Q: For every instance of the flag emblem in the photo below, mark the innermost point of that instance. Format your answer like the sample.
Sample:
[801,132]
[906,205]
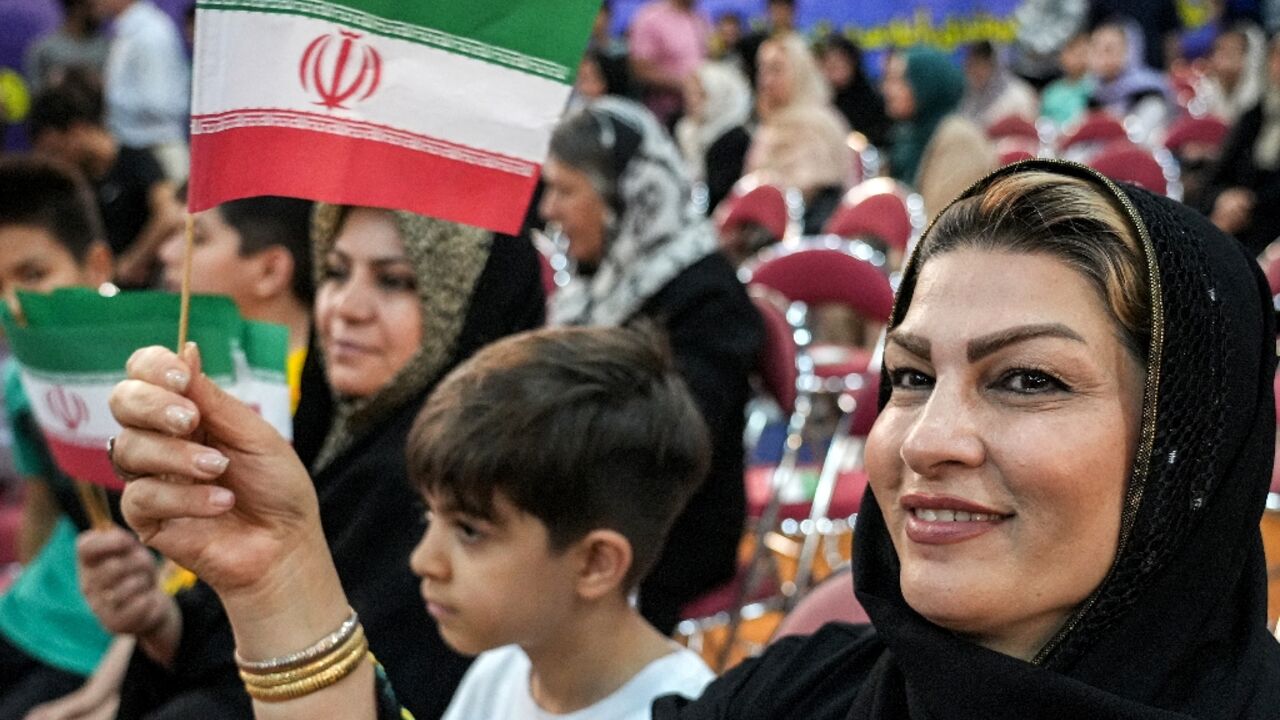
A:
[343,81]
[68,407]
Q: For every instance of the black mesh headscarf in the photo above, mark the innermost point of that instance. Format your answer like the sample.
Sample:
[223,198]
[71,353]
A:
[1177,629]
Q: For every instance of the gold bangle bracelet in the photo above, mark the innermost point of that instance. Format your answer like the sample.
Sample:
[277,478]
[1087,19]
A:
[315,667]
[309,685]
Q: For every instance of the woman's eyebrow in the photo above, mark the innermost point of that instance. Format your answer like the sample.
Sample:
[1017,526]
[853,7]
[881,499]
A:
[914,344]
[981,347]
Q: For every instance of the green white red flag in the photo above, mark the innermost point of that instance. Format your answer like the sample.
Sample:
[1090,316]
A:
[440,108]
[72,350]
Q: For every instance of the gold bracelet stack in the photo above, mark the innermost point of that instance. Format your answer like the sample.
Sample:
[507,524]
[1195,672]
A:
[291,676]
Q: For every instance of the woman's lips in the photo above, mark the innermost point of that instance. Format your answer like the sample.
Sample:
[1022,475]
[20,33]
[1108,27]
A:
[342,349]
[945,519]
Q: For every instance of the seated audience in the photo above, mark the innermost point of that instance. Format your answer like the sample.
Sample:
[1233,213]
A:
[1066,99]
[50,237]
[804,148]
[137,203]
[1243,197]
[615,187]
[992,93]
[712,134]
[921,87]
[1235,77]
[1125,87]
[1038,509]
[855,96]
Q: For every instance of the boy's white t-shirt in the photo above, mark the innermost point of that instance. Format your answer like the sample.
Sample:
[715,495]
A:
[496,687]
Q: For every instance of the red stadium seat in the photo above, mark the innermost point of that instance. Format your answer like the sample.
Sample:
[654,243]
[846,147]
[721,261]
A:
[1206,132]
[832,600]
[1125,162]
[764,205]
[1014,126]
[1098,127]
[820,276]
[883,216]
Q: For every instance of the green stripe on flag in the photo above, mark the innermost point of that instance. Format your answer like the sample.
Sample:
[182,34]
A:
[540,37]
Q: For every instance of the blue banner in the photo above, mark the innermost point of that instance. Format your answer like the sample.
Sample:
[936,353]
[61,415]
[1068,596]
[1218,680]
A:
[874,24]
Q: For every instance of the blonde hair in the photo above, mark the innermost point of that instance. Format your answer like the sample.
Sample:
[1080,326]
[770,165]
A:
[1068,218]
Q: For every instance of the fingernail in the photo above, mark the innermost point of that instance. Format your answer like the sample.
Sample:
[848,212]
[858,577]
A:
[179,418]
[212,462]
[177,379]
[221,497]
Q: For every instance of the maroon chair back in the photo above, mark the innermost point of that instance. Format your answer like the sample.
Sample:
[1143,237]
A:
[777,362]
[1125,162]
[1013,126]
[884,216]
[831,600]
[1207,132]
[820,276]
[1097,127]
[764,205]
[1012,156]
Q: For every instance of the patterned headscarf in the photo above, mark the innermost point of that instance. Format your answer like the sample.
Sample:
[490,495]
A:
[657,232]
[447,259]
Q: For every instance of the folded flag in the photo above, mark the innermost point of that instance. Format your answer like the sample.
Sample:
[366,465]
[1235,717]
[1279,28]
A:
[72,346]
[441,108]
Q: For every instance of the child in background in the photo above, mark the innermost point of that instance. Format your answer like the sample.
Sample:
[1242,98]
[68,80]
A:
[1065,100]
[553,464]
[50,237]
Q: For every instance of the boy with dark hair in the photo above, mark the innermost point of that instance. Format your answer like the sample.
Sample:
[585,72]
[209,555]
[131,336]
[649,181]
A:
[50,237]
[553,464]
[135,201]
[257,251]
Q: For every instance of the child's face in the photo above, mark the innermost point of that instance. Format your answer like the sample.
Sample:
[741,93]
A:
[31,259]
[217,267]
[1074,58]
[490,583]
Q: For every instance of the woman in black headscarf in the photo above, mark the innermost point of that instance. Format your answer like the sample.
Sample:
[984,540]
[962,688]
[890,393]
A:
[1122,579]
[378,274]
[855,96]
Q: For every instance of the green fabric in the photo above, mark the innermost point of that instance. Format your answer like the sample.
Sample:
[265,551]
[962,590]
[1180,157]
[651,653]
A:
[937,85]
[539,37]
[44,613]
[1064,101]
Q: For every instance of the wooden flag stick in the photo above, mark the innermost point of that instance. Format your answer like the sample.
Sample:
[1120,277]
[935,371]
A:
[184,315]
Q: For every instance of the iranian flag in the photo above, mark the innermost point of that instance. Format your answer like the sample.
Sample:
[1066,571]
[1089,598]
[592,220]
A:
[441,108]
[72,345]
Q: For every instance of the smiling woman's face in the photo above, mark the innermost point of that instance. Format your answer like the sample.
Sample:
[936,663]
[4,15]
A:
[1002,457]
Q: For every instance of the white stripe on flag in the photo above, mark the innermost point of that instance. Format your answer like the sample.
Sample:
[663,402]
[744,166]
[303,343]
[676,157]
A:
[75,412]
[423,91]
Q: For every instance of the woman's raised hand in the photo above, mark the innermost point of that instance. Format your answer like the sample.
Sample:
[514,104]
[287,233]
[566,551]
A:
[215,487]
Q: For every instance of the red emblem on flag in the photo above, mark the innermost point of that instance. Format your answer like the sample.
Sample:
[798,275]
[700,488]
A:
[344,80]
[68,407]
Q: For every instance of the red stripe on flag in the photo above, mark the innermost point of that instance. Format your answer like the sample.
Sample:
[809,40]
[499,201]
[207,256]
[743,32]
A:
[249,161]
[78,462]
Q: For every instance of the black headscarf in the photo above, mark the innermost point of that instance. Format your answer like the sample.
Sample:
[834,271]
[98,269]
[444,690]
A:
[1178,627]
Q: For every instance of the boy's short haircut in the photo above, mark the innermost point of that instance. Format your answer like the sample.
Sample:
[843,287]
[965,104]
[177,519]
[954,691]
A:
[64,106]
[265,221]
[583,428]
[43,193]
